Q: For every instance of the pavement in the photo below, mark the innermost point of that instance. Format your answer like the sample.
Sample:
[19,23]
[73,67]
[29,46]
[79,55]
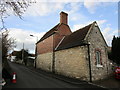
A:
[109,82]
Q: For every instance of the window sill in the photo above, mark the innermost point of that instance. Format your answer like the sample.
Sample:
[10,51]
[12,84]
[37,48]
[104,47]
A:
[98,65]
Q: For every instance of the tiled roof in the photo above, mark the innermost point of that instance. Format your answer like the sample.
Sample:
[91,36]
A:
[14,53]
[49,33]
[74,39]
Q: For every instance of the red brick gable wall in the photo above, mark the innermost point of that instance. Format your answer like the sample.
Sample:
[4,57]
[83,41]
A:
[61,32]
[45,45]
[50,43]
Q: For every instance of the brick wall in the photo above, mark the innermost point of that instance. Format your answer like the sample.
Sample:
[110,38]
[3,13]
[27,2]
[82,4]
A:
[61,32]
[45,46]
[64,18]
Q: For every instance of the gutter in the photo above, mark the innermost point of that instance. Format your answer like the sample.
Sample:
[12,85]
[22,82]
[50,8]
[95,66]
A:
[53,60]
[53,63]
[35,56]
[90,73]
[88,46]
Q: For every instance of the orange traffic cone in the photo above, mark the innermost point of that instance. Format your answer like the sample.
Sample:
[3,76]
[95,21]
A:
[14,78]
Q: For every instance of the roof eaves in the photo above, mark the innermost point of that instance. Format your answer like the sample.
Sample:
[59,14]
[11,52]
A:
[99,30]
[89,30]
[102,36]
[59,43]
[54,29]
[45,38]
[82,43]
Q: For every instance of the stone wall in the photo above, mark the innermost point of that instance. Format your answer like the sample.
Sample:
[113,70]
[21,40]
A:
[44,61]
[73,62]
[98,43]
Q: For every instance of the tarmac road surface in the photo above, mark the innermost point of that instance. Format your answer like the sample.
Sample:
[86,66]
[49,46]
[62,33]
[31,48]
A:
[27,78]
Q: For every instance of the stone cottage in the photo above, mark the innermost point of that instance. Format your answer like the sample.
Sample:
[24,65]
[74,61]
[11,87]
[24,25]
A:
[81,54]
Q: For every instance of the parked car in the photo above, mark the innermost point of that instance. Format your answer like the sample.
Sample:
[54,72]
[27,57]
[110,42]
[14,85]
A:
[117,72]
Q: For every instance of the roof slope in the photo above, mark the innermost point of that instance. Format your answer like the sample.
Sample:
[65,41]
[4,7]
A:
[49,33]
[14,53]
[74,39]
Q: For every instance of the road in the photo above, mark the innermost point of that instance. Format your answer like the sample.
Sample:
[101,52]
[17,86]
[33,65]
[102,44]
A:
[27,78]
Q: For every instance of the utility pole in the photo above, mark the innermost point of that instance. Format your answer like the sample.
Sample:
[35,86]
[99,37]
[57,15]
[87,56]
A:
[23,54]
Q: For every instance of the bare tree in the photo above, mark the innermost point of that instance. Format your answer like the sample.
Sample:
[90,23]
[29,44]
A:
[7,44]
[17,7]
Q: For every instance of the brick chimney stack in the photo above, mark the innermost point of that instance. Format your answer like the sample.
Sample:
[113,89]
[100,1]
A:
[63,18]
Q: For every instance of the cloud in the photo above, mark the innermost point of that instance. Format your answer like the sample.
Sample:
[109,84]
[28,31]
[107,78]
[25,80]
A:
[106,30]
[108,34]
[49,6]
[46,8]
[76,0]
[91,6]
[78,26]
[23,36]
[73,7]
[43,8]
[77,17]
[66,1]
[101,22]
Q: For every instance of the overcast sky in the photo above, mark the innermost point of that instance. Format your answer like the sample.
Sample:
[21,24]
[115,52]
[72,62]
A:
[42,16]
